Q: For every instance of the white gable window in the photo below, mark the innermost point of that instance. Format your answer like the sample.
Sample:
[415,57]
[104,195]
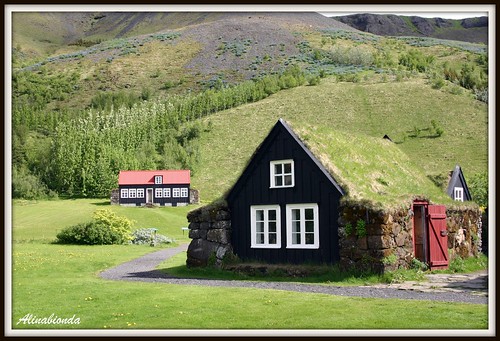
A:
[158,193]
[176,192]
[132,193]
[302,226]
[166,192]
[140,192]
[158,179]
[265,225]
[184,193]
[282,174]
[458,193]
[124,193]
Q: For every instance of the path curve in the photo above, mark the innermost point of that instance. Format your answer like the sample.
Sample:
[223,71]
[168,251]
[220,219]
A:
[144,269]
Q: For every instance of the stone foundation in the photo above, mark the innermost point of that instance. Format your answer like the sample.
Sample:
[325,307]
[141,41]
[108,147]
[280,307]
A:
[210,231]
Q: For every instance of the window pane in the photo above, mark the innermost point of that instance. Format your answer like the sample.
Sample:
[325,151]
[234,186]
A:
[272,238]
[295,226]
[295,238]
[259,227]
[260,238]
[309,238]
[259,215]
[309,226]
[278,181]
[296,214]
[309,213]
[272,226]
[278,169]
[288,180]
[288,168]
[272,215]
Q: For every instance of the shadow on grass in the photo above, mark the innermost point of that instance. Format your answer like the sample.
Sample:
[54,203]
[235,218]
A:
[272,273]
[102,203]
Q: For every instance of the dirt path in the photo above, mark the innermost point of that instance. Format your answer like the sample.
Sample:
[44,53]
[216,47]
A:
[468,288]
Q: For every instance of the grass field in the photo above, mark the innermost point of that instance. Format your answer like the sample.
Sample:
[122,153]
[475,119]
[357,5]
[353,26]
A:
[63,280]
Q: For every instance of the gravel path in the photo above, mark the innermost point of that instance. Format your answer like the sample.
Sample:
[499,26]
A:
[143,269]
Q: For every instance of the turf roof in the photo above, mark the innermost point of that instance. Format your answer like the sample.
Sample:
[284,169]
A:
[371,170]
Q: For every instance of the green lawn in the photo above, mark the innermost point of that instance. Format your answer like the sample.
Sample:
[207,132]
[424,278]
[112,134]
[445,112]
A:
[63,280]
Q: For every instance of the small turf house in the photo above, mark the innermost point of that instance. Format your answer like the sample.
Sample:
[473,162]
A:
[154,187]
[457,187]
[310,194]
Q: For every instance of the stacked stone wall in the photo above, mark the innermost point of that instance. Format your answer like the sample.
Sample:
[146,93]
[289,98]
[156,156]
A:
[210,231]
[464,227]
[387,243]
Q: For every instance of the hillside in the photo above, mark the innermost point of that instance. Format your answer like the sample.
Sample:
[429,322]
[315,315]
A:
[473,30]
[98,93]
[374,108]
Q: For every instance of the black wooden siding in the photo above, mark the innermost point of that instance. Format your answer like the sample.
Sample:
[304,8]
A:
[311,186]
[161,201]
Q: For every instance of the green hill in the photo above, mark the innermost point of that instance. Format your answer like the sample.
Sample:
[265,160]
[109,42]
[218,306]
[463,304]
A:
[373,108]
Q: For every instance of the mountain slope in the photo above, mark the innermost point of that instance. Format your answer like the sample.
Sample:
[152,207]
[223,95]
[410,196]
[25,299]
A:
[474,30]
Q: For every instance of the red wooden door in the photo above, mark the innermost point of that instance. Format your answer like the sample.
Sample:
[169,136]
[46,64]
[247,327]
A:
[438,237]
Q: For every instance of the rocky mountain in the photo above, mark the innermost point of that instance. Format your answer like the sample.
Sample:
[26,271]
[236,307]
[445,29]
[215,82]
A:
[474,30]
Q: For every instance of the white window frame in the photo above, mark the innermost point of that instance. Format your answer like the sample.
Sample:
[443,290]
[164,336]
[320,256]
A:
[140,192]
[302,208]
[166,192]
[132,193]
[176,192]
[124,193]
[184,192]
[273,176]
[458,193]
[158,179]
[253,227]
[158,193]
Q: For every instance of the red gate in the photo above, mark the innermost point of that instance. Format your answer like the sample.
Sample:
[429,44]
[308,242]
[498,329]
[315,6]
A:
[438,237]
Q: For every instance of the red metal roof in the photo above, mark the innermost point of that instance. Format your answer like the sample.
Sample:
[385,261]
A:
[170,177]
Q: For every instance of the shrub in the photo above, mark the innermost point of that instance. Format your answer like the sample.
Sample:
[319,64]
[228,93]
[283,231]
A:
[148,236]
[313,80]
[106,228]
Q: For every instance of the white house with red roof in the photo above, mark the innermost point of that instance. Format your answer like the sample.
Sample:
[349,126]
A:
[154,187]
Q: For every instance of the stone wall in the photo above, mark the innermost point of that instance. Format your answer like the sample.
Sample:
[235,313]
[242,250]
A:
[210,231]
[464,231]
[387,243]
[194,196]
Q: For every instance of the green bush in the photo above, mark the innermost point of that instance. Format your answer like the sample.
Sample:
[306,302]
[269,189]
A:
[106,228]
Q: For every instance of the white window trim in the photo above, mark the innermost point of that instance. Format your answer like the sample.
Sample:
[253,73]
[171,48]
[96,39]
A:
[289,244]
[158,193]
[140,192]
[132,193]
[166,192]
[184,192]
[253,227]
[176,192]
[124,193]
[158,179]
[458,193]
[273,176]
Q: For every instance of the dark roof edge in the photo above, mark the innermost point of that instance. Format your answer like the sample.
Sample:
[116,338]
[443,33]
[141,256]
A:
[311,155]
[458,175]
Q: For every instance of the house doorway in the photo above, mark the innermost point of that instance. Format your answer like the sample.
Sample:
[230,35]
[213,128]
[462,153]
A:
[430,235]
[149,196]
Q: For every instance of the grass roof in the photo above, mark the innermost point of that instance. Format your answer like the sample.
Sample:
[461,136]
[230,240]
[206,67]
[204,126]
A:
[370,170]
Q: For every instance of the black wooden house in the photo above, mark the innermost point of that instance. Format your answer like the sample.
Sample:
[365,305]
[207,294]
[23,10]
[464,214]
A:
[284,206]
[154,187]
[457,187]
